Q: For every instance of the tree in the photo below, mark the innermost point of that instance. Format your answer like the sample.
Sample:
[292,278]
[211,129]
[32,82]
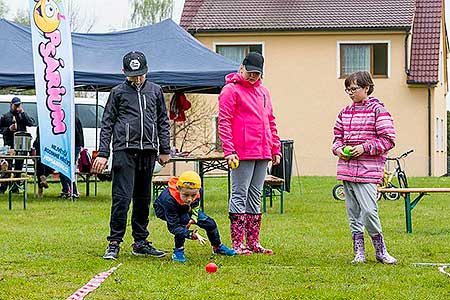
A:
[22,17]
[3,9]
[196,134]
[147,12]
[78,21]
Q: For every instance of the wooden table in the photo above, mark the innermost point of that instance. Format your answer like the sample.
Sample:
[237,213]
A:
[406,193]
[206,163]
[34,158]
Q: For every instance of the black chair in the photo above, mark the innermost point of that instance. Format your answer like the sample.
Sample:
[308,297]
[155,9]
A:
[279,179]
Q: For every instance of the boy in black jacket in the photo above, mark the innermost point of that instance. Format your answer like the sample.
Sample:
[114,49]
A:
[178,205]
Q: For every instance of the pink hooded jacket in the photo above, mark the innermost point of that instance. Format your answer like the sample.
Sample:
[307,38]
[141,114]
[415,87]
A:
[370,124]
[246,121]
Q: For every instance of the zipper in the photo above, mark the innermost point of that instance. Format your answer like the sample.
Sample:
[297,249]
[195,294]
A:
[127,134]
[145,102]
[142,117]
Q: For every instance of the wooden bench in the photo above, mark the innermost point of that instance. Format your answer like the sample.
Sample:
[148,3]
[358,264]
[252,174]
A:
[406,193]
[15,181]
[159,183]
[271,184]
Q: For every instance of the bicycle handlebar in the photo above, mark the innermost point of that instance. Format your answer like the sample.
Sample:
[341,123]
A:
[401,156]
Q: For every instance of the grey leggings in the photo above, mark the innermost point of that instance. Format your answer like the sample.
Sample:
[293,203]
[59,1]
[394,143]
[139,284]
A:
[362,207]
[247,183]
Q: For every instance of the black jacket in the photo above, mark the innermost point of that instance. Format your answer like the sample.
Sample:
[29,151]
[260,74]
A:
[22,121]
[79,137]
[137,119]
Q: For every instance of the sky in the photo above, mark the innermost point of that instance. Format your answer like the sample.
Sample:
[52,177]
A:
[109,15]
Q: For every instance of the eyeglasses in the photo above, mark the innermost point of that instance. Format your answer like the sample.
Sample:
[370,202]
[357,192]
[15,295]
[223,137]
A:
[352,90]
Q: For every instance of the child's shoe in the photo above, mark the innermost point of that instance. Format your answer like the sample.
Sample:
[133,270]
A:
[224,250]
[178,255]
[382,255]
[112,251]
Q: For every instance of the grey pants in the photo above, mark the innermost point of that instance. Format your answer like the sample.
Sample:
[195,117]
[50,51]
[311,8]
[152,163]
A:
[246,184]
[362,207]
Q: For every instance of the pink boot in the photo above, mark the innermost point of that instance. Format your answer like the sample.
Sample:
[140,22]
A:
[237,231]
[358,247]
[380,250]
[252,230]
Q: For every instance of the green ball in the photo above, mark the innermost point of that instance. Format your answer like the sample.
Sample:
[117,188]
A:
[347,150]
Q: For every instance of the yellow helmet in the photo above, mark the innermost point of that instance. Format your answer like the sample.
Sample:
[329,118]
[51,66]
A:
[189,180]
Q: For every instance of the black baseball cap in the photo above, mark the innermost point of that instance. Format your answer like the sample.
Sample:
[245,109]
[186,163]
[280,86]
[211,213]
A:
[16,101]
[134,64]
[253,62]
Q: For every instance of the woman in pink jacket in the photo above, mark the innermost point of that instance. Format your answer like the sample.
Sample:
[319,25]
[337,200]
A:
[363,134]
[249,136]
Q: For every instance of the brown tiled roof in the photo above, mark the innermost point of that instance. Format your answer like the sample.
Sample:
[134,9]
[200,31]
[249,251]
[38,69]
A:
[424,65]
[282,15]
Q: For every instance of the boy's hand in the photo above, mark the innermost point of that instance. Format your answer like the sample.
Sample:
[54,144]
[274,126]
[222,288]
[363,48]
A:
[197,236]
[191,221]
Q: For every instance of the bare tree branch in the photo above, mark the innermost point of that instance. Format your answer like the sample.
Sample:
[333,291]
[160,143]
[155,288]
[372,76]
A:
[146,12]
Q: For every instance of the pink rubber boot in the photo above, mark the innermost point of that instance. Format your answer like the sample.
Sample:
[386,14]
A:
[380,250]
[252,230]
[237,231]
[358,247]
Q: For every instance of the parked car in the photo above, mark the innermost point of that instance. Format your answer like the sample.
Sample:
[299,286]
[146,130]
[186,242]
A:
[84,107]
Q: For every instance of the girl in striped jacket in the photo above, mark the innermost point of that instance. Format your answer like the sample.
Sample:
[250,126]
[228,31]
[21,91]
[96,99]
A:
[363,134]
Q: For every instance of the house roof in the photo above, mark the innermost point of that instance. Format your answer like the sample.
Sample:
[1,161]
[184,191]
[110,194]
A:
[424,63]
[295,15]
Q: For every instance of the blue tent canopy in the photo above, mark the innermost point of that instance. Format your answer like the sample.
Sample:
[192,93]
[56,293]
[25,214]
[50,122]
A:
[177,61]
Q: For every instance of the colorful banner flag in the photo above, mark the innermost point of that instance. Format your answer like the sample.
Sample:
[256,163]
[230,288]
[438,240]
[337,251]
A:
[93,284]
[54,81]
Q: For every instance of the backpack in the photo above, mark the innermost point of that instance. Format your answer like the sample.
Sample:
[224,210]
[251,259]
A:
[84,161]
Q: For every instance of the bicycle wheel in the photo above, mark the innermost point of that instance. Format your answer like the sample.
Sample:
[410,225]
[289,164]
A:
[392,196]
[338,192]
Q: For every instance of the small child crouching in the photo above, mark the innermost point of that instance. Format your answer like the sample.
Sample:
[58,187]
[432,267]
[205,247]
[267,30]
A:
[178,205]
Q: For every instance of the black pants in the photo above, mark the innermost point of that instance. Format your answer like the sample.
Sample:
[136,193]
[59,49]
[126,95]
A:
[132,172]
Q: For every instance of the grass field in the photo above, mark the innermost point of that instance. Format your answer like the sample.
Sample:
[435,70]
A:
[55,246]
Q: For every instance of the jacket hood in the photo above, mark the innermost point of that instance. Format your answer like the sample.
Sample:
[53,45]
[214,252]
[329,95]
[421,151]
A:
[237,78]
[173,190]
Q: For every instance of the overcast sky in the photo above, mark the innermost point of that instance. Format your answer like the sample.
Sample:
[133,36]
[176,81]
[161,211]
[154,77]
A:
[109,14]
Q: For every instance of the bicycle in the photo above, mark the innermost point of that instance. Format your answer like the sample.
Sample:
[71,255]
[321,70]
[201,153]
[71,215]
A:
[388,177]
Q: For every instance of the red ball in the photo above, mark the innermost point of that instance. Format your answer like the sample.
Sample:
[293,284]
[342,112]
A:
[211,268]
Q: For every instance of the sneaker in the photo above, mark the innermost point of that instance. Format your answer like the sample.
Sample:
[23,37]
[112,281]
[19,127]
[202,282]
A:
[76,196]
[178,255]
[224,250]
[145,248]
[112,251]
[64,195]
[43,182]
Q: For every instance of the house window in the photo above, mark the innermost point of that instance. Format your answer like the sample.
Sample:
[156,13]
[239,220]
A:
[364,57]
[238,52]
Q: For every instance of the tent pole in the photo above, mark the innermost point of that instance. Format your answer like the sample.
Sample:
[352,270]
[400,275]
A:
[174,167]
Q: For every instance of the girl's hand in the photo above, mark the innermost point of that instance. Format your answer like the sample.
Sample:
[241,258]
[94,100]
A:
[232,158]
[341,154]
[276,159]
[357,150]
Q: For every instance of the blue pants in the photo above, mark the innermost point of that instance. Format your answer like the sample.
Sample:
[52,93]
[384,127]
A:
[204,222]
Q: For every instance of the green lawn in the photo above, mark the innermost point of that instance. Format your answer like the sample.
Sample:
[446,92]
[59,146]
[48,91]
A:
[55,246]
